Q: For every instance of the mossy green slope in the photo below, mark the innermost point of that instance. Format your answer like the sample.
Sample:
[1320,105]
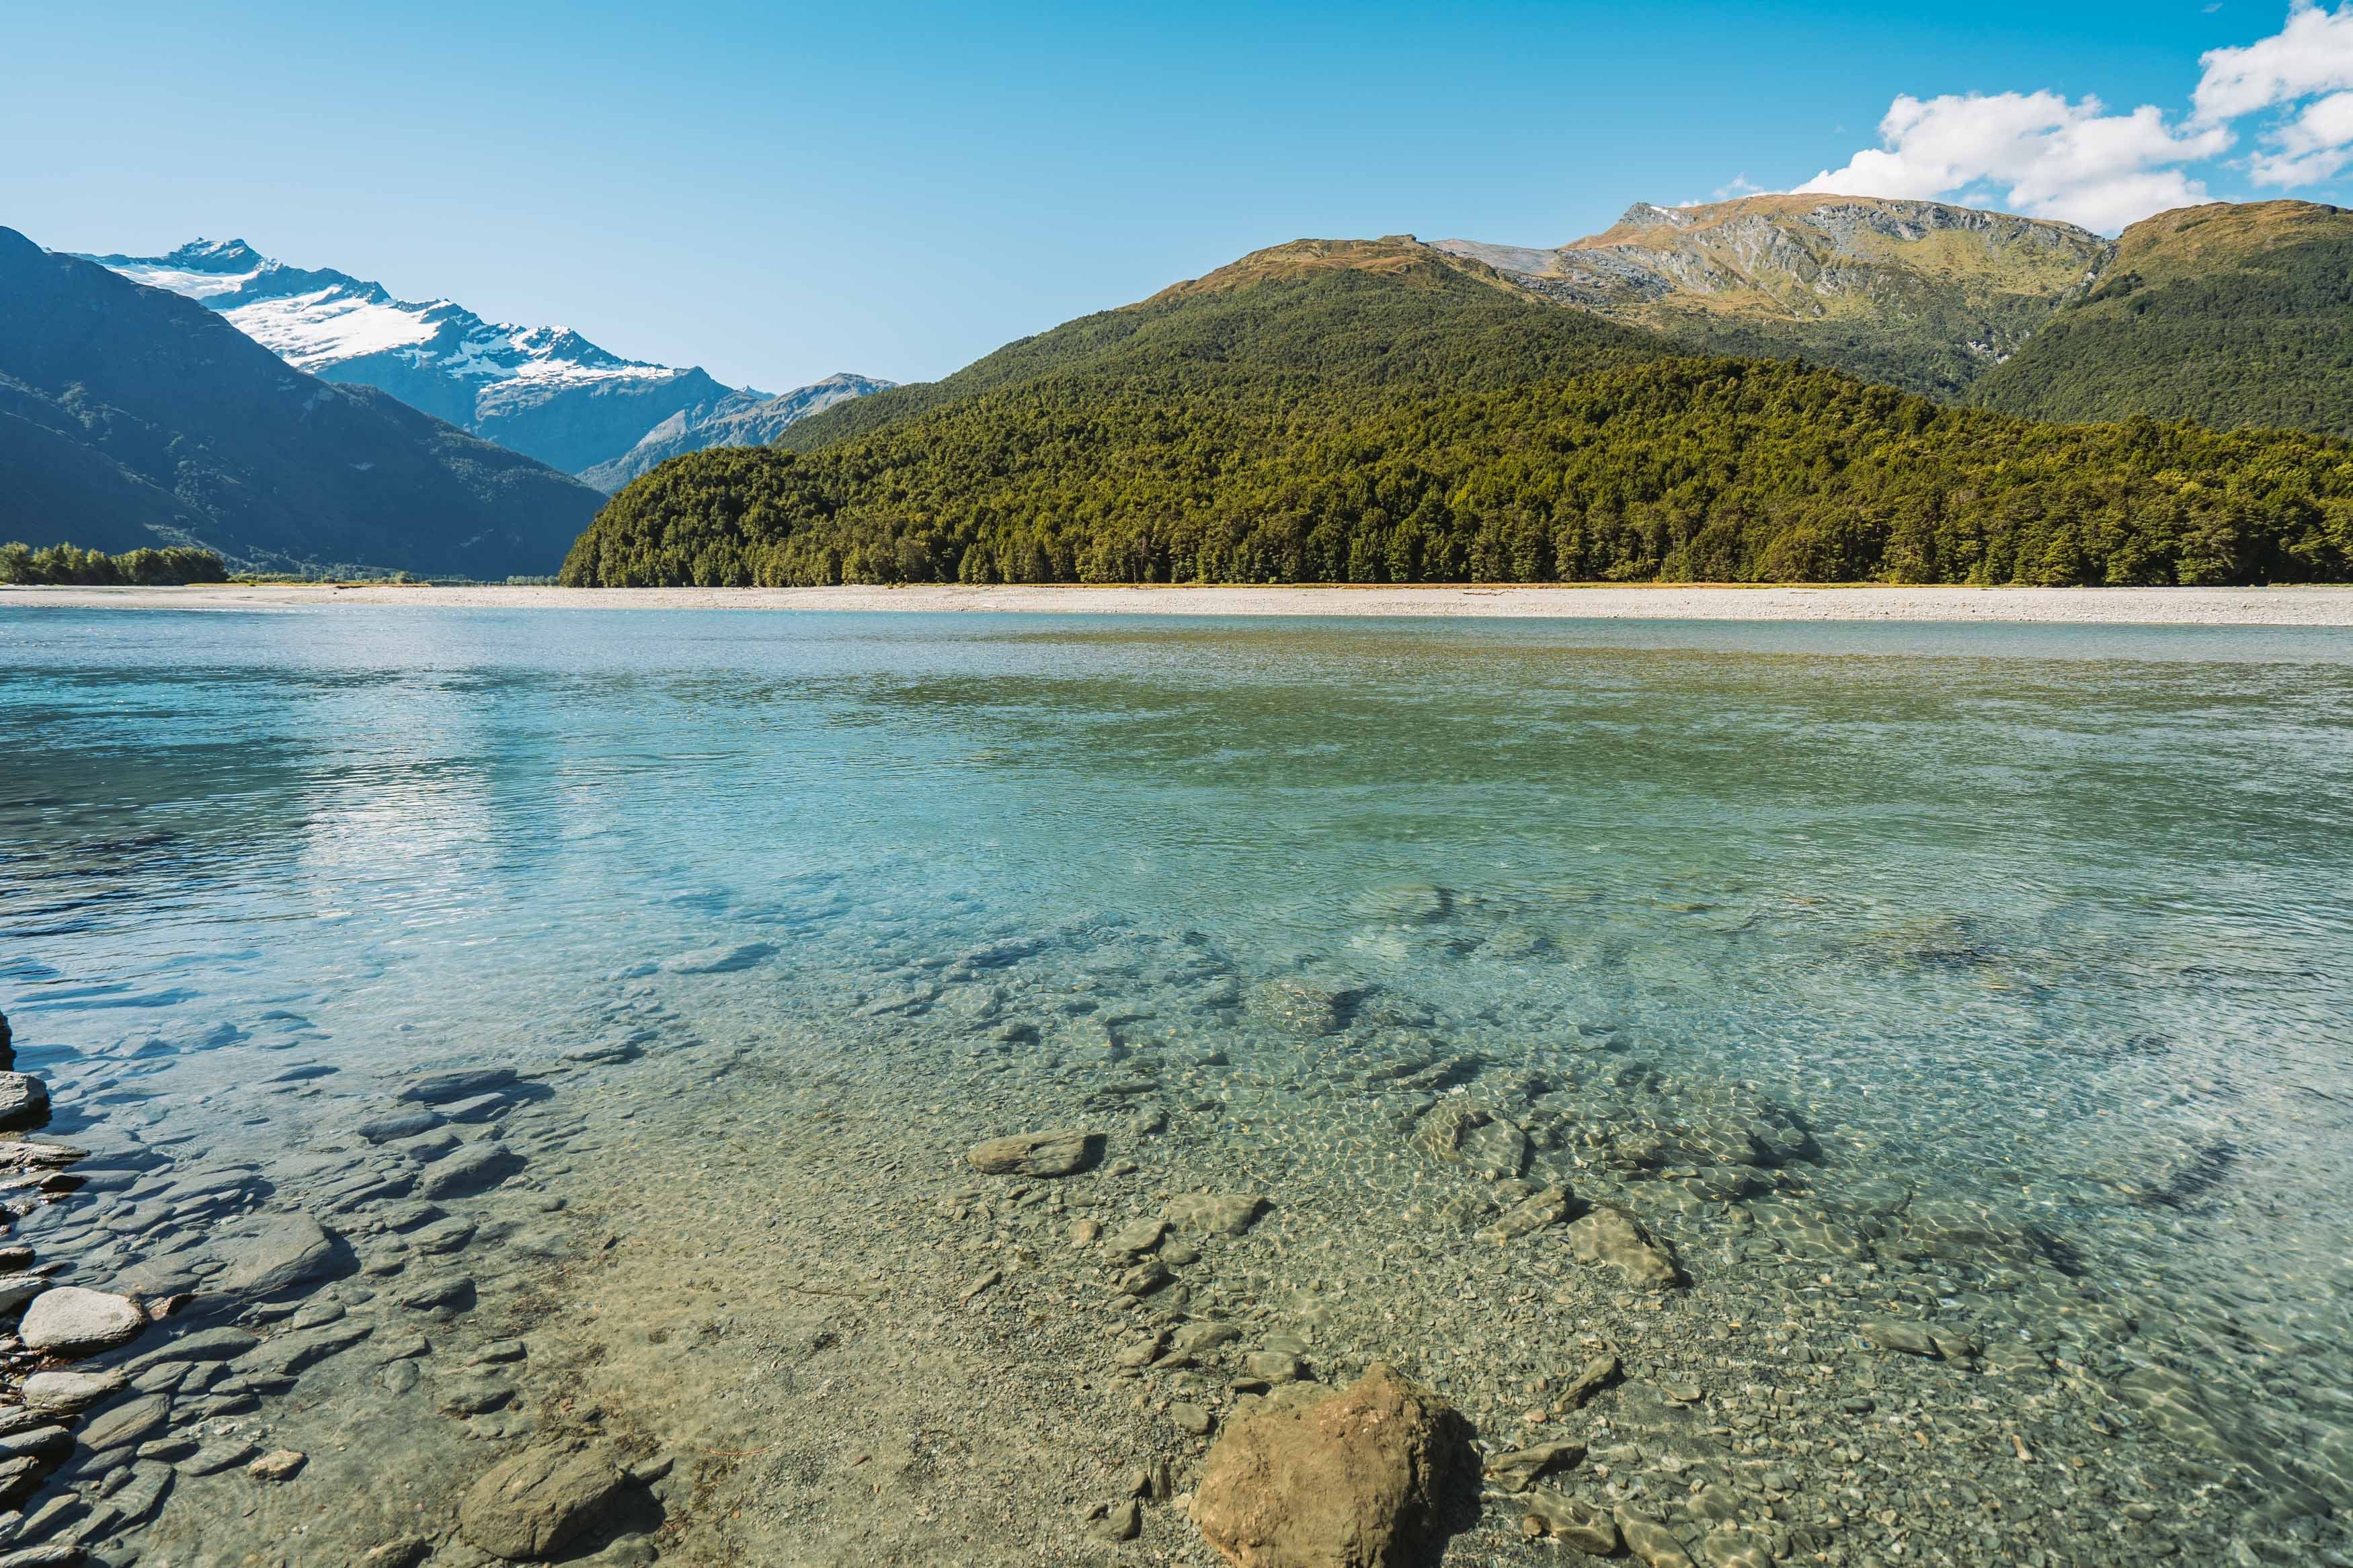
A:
[1368,314]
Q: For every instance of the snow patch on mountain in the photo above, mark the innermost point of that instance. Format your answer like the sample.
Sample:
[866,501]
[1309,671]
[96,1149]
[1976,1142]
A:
[546,391]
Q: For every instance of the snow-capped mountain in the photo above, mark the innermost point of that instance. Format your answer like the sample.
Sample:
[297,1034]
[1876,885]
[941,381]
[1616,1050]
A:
[739,419]
[546,391]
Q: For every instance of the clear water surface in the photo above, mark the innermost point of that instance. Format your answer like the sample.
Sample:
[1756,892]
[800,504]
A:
[2043,925]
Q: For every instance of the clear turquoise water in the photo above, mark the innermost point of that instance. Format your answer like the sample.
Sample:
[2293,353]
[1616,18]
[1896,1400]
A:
[2049,919]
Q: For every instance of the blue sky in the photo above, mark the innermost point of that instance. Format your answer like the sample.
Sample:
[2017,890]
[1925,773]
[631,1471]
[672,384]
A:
[780,192]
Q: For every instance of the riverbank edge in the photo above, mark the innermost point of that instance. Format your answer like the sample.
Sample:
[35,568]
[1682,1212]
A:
[2273,606]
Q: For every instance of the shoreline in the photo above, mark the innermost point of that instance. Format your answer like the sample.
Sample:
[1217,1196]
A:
[2269,607]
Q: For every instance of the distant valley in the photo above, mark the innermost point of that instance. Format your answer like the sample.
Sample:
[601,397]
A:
[545,392]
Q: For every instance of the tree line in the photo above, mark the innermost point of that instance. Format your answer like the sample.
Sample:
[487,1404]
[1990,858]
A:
[66,565]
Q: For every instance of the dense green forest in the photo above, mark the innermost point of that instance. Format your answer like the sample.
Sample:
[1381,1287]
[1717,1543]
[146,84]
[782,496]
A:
[1684,469]
[64,564]
[1335,412]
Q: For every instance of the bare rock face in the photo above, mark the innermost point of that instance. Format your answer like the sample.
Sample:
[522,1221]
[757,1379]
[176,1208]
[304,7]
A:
[1061,1154]
[528,1508]
[1368,1478]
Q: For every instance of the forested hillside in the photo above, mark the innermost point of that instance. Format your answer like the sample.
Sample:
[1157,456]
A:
[2227,315]
[1692,469]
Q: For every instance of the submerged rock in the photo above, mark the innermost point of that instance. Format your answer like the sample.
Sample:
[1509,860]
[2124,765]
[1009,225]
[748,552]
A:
[1650,1542]
[1456,1130]
[721,960]
[1575,1522]
[1306,1007]
[1519,1469]
[1612,1235]
[469,1170]
[72,1321]
[1548,1206]
[1368,1478]
[1895,1334]
[278,1465]
[289,1250]
[531,1507]
[1205,1214]
[1061,1153]
[1414,904]
[465,1083]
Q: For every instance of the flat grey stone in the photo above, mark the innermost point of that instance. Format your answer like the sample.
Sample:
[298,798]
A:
[69,1321]
[63,1393]
[126,1423]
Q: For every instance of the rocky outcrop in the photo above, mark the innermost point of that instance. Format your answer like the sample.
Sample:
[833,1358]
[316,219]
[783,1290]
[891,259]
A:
[1371,1477]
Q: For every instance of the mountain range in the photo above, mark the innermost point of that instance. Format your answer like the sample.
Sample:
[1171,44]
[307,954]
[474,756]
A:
[545,392]
[131,416]
[738,419]
[1979,393]
[2227,314]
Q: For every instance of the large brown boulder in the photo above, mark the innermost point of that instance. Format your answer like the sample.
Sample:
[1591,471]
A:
[533,1506]
[1372,1476]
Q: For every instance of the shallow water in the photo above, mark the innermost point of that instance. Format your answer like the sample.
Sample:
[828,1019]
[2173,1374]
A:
[1991,977]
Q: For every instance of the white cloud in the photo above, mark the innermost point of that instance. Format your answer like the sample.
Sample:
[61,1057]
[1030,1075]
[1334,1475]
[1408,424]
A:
[2312,54]
[2310,57]
[2052,158]
[2312,147]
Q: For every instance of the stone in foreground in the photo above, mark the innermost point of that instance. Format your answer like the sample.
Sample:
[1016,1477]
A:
[528,1508]
[1364,1479]
[1061,1154]
[70,1321]
[24,1099]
